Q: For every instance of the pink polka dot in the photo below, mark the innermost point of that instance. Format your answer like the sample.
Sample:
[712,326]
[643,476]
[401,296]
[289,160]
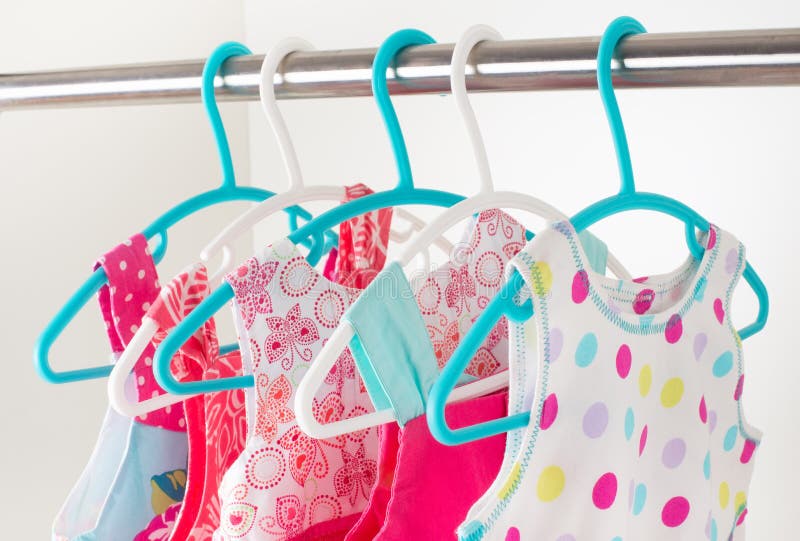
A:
[712,237]
[747,451]
[675,512]
[741,517]
[641,279]
[512,534]
[703,410]
[737,394]
[643,440]
[719,311]
[623,361]
[580,286]
[643,301]
[605,491]
[674,329]
[549,411]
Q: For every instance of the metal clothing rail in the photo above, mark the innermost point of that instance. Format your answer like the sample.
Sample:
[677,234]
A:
[732,58]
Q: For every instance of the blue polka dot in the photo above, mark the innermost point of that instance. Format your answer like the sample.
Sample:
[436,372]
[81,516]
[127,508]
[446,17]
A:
[713,530]
[639,497]
[723,364]
[629,422]
[618,538]
[730,438]
[707,466]
[587,349]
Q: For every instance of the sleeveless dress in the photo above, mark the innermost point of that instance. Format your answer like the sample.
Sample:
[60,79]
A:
[637,430]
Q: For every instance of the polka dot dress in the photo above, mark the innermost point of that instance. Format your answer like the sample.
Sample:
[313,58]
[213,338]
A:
[637,430]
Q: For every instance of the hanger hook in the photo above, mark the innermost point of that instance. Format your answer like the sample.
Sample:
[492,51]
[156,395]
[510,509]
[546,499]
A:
[266,92]
[385,56]
[210,70]
[458,86]
[619,28]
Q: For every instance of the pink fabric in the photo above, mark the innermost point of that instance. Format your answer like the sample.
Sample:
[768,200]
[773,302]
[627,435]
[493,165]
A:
[450,299]
[224,436]
[374,516]
[363,242]
[433,485]
[175,301]
[131,263]
[329,271]
[161,526]
[216,431]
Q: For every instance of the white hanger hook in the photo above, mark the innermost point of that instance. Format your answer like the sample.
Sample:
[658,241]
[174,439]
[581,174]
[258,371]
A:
[458,85]
[266,92]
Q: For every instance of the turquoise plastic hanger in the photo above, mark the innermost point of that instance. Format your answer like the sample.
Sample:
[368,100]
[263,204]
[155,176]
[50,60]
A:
[403,194]
[627,199]
[228,191]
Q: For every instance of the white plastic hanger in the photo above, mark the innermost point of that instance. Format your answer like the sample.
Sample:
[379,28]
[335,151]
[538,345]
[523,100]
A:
[298,191]
[487,198]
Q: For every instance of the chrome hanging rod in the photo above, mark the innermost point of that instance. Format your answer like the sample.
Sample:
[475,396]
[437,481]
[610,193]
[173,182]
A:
[697,59]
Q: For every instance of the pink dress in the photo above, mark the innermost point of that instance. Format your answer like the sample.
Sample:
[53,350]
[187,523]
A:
[215,422]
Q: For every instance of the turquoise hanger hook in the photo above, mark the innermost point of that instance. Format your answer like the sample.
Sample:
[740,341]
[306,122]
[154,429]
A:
[616,32]
[386,55]
[208,97]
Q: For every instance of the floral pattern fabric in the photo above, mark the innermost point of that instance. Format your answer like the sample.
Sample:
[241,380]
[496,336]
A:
[286,484]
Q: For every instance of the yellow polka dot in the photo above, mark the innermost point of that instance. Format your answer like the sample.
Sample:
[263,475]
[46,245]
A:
[740,501]
[513,477]
[738,338]
[551,483]
[672,392]
[724,495]
[645,380]
[531,334]
[542,278]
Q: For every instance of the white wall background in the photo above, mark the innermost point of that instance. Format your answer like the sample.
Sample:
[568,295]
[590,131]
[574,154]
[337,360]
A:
[77,182]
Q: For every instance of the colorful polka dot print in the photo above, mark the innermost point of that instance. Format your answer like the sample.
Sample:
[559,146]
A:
[638,416]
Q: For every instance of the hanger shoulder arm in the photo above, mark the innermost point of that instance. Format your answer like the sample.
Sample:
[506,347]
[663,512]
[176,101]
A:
[180,334]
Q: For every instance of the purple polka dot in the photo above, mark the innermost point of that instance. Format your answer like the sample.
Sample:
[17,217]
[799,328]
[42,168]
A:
[623,361]
[674,329]
[580,286]
[605,491]
[732,261]
[643,301]
[674,453]
[556,343]
[700,343]
[549,411]
[712,421]
[631,488]
[595,420]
